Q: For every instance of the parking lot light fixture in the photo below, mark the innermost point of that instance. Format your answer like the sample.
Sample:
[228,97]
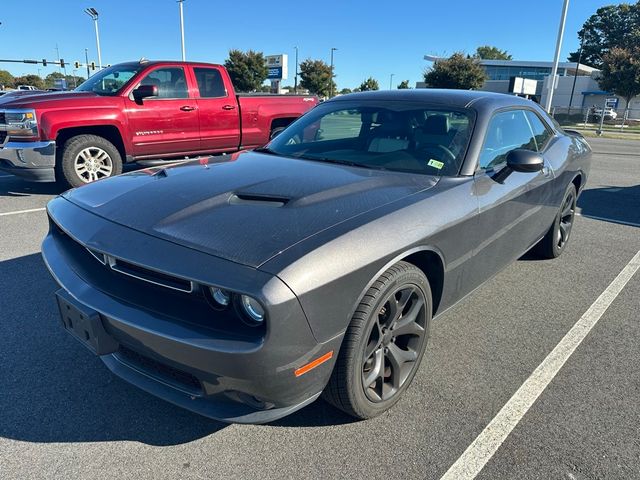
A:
[333,49]
[93,13]
[180,2]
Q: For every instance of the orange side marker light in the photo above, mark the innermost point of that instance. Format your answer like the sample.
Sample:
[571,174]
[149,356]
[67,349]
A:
[311,365]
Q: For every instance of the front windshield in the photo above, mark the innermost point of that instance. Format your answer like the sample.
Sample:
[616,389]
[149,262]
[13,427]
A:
[401,136]
[110,80]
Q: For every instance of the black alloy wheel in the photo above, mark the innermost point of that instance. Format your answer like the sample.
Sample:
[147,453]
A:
[556,239]
[394,343]
[384,343]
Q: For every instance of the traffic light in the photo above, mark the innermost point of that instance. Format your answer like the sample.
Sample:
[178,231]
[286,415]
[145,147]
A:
[76,64]
[93,65]
[44,62]
[61,63]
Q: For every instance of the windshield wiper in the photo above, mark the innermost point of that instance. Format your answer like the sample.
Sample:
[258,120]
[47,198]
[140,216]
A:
[348,163]
[265,150]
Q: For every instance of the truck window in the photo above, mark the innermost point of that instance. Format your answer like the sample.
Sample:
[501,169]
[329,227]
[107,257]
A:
[171,82]
[210,83]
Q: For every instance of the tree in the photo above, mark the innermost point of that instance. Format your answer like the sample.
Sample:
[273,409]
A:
[457,71]
[610,27]
[369,84]
[315,76]
[248,70]
[488,52]
[621,73]
[6,79]
[403,85]
[344,91]
[30,79]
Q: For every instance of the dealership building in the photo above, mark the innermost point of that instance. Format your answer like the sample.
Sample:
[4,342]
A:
[587,92]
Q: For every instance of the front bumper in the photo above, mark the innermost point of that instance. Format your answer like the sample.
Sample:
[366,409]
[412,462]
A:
[31,160]
[229,378]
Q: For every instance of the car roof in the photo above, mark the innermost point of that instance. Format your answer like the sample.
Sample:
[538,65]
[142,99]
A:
[450,97]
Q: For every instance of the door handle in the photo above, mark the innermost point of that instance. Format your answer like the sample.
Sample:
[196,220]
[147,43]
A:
[228,107]
[187,108]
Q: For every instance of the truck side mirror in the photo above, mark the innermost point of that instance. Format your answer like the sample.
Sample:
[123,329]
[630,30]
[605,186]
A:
[145,91]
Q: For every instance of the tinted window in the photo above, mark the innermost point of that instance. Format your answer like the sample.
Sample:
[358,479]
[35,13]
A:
[210,83]
[507,131]
[171,82]
[402,136]
[541,133]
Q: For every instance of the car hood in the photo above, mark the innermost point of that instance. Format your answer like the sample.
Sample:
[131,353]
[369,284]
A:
[245,207]
[37,99]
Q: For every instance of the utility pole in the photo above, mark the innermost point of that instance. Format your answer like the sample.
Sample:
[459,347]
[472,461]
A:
[556,59]
[295,82]
[180,2]
[86,60]
[331,79]
[391,82]
[93,13]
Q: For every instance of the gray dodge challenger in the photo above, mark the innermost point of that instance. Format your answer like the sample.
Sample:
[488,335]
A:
[244,286]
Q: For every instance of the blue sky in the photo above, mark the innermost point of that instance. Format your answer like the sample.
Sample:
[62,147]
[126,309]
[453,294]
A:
[373,38]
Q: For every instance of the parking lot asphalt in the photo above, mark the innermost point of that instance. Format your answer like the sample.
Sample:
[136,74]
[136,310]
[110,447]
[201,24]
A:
[63,415]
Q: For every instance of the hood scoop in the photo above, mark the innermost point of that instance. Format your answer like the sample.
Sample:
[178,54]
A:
[258,199]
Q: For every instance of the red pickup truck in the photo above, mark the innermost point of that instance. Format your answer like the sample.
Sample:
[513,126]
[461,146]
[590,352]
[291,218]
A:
[136,111]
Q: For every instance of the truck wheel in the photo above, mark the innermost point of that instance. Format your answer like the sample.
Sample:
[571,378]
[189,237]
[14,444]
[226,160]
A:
[275,132]
[383,345]
[87,158]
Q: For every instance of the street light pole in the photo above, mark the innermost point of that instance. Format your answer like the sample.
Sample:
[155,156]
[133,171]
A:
[391,82]
[86,60]
[331,79]
[575,76]
[556,59]
[295,82]
[180,2]
[93,13]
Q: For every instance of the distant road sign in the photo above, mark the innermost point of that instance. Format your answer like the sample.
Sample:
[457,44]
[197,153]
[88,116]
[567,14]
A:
[611,102]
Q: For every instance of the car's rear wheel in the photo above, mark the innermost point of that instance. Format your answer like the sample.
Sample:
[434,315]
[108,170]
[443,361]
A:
[556,239]
[384,343]
[87,158]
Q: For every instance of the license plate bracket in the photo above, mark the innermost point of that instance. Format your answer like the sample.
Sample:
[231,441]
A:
[84,324]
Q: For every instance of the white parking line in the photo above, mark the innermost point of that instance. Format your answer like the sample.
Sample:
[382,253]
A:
[476,456]
[612,220]
[22,211]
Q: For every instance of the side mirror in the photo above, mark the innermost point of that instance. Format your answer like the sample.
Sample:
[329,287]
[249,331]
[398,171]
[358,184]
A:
[521,160]
[145,91]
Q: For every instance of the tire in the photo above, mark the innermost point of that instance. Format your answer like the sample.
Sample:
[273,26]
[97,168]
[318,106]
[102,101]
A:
[275,132]
[555,240]
[373,347]
[86,158]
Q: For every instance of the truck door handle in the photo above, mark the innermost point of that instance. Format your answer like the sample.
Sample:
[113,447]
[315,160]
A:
[228,107]
[187,108]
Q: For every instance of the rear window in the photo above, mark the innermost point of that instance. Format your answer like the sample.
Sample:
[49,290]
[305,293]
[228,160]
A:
[210,83]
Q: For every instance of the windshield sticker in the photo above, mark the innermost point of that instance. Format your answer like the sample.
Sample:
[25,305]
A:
[435,164]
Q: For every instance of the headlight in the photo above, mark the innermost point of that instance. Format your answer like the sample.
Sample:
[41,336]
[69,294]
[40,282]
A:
[21,123]
[253,310]
[221,297]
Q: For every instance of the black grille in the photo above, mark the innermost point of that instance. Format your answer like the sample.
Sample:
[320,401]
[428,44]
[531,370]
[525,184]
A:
[159,370]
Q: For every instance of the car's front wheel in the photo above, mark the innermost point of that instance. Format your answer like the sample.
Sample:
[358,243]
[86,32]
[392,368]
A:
[384,343]
[87,158]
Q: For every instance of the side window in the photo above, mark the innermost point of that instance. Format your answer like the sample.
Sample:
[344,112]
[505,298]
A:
[210,83]
[171,82]
[540,132]
[507,131]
